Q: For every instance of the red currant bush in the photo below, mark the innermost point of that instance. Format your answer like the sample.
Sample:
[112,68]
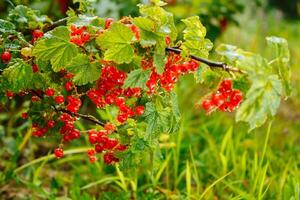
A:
[114,82]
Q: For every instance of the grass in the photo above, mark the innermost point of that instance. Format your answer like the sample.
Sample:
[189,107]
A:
[209,158]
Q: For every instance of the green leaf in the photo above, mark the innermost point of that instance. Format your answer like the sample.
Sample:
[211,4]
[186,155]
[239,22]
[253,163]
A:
[194,38]
[26,18]
[163,20]
[199,75]
[56,48]
[157,118]
[6,26]
[230,53]
[194,28]
[262,101]
[199,48]
[176,116]
[148,31]
[84,72]
[137,78]
[117,43]
[249,62]
[162,116]
[159,62]
[282,59]
[18,75]
[86,20]
[85,6]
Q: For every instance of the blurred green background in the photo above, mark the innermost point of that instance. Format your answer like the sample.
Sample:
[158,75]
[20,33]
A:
[211,157]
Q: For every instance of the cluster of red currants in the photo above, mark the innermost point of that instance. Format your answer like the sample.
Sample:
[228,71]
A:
[79,35]
[40,131]
[109,92]
[226,99]
[73,104]
[100,139]
[68,129]
[174,68]
[103,143]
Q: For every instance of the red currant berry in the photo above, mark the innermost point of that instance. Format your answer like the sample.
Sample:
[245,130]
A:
[136,31]
[122,118]
[69,85]
[109,127]
[93,137]
[121,147]
[85,37]
[236,97]
[68,75]
[6,56]
[24,115]
[92,159]
[109,158]
[35,68]
[120,101]
[77,40]
[225,86]
[38,132]
[37,34]
[218,99]
[44,130]
[207,105]
[168,40]
[108,22]
[59,153]
[35,98]
[99,148]
[139,110]
[59,99]
[91,152]
[50,123]
[10,94]
[110,143]
[73,28]
[49,92]
[109,99]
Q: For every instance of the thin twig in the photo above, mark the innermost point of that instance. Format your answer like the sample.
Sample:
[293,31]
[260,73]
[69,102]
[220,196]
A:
[82,116]
[210,63]
[85,117]
[55,24]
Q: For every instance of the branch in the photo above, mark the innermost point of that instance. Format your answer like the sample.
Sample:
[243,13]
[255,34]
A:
[85,117]
[210,63]
[55,24]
